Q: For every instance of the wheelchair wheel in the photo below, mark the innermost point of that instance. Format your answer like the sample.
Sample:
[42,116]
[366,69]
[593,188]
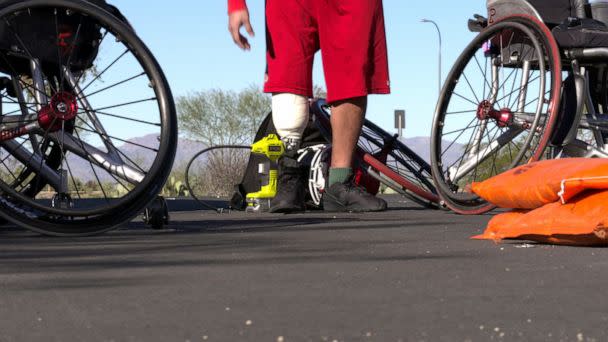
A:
[496,110]
[392,162]
[88,128]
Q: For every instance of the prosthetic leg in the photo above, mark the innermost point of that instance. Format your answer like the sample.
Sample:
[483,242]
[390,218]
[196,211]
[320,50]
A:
[290,117]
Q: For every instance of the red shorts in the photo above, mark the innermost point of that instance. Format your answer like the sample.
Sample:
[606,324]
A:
[350,35]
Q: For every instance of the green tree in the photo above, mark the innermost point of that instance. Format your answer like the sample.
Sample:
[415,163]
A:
[319,92]
[220,117]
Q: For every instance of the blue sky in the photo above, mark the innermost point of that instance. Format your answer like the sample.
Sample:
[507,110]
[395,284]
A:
[191,42]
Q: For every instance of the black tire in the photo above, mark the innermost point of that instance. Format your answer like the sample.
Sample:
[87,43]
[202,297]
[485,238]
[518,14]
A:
[128,176]
[494,141]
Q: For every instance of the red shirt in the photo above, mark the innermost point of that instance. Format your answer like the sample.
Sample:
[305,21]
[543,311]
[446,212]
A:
[236,5]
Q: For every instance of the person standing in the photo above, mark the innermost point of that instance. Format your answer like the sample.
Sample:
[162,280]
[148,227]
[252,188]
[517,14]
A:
[352,40]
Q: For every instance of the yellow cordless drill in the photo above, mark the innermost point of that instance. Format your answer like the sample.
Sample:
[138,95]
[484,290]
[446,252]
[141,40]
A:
[271,147]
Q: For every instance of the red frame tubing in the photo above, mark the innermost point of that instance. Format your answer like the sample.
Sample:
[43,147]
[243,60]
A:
[381,167]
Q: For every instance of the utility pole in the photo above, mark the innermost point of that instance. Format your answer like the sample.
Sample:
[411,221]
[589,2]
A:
[400,121]
[439,33]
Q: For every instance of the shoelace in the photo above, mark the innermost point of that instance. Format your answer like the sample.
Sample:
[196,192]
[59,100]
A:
[357,188]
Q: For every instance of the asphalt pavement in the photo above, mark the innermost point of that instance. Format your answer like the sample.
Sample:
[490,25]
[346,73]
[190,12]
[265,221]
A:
[409,274]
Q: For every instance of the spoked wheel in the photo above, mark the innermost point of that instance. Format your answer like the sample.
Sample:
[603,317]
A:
[88,126]
[393,163]
[497,109]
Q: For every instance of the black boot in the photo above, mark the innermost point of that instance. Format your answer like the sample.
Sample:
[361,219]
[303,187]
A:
[292,180]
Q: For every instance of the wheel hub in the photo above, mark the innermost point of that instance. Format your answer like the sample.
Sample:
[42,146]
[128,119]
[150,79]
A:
[63,107]
[503,117]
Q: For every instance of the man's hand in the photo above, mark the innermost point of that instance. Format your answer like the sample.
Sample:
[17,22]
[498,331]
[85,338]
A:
[236,20]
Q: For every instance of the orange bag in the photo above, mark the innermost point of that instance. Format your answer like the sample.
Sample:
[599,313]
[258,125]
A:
[574,186]
[582,222]
[536,184]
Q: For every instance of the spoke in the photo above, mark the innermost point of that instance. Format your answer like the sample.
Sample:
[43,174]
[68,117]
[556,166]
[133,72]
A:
[11,101]
[501,61]
[59,57]
[27,164]
[18,146]
[15,120]
[72,49]
[62,152]
[72,177]
[121,153]
[502,87]
[103,37]
[88,158]
[462,112]
[467,148]
[510,151]
[119,139]
[548,92]
[495,153]
[115,84]
[532,80]
[9,170]
[31,88]
[132,162]
[17,111]
[106,162]
[466,99]
[463,129]
[120,105]
[26,50]
[43,160]
[484,73]
[470,87]
[459,135]
[510,105]
[127,118]
[103,72]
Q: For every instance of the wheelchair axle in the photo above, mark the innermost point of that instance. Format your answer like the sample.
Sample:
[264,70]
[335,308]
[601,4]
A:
[503,117]
[63,107]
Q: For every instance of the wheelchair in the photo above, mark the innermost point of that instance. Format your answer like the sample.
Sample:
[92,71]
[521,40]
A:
[88,127]
[531,85]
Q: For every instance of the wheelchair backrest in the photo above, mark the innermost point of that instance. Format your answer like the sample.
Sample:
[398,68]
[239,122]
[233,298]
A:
[51,37]
[552,12]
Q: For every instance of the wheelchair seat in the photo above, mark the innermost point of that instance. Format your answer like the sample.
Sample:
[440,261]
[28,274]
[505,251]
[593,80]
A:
[554,12]
[581,33]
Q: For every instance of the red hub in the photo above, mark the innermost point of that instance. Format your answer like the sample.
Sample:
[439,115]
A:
[503,117]
[63,107]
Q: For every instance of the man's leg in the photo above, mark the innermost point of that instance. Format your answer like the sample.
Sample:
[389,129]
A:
[341,194]
[355,63]
[346,121]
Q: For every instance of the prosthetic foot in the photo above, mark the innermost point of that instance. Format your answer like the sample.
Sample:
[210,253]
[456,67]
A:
[291,184]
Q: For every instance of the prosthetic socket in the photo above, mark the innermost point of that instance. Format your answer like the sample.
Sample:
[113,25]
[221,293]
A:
[290,118]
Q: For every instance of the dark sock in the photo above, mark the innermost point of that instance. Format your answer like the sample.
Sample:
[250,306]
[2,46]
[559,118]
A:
[339,175]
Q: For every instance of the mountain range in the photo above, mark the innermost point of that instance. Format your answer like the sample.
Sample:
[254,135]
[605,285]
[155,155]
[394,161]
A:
[187,148]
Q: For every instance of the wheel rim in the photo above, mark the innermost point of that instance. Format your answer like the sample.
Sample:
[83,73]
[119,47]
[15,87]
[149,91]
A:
[113,125]
[508,119]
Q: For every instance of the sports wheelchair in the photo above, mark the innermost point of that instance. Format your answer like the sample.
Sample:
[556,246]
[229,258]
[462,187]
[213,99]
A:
[88,128]
[532,84]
